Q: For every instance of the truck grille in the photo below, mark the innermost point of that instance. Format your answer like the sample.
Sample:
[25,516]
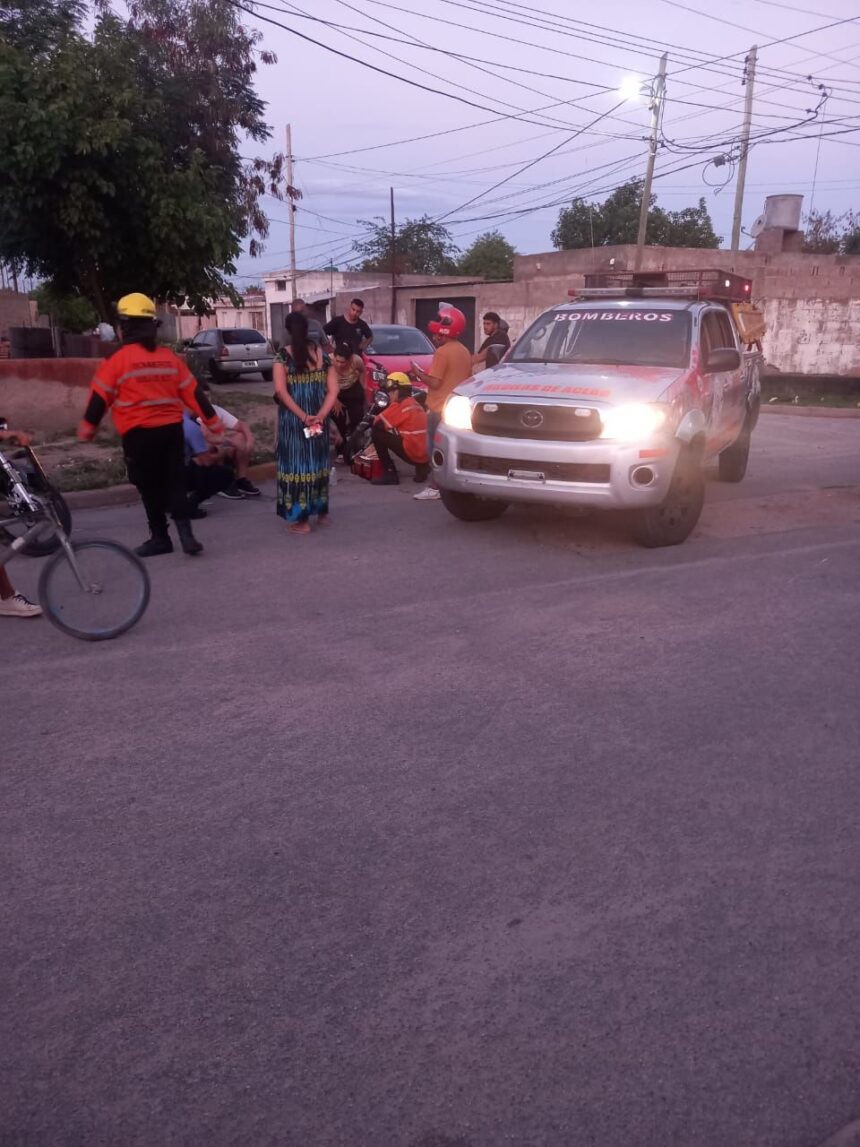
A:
[522,420]
[552,471]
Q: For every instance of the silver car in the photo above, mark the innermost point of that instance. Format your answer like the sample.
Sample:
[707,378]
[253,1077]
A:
[224,354]
[614,403]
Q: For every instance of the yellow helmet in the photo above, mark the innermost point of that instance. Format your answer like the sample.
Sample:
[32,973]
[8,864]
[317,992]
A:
[397,378]
[136,306]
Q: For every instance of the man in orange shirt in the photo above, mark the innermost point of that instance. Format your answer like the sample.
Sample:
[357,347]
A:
[451,365]
[147,389]
[401,429]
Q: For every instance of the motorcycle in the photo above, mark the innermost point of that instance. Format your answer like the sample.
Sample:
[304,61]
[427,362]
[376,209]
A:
[25,467]
[360,438]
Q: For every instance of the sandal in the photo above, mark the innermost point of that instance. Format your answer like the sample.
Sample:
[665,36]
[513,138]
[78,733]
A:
[299,527]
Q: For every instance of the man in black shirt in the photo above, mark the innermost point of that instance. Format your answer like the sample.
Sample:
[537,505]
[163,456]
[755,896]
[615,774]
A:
[496,342]
[350,328]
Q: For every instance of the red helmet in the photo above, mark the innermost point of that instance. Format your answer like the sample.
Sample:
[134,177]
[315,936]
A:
[451,322]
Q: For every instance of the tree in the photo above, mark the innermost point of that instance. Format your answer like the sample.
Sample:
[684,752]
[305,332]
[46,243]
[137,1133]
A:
[422,247]
[828,234]
[490,257]
[69,312]
[616,221]
[121,161]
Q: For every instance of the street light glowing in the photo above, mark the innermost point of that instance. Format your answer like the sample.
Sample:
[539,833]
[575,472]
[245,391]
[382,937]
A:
[631,88]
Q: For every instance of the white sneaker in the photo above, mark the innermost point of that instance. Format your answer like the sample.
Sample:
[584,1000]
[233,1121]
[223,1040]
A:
[428,494]
[18,606]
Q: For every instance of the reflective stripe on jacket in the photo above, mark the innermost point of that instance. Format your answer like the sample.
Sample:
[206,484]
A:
[409,419]
[147,388]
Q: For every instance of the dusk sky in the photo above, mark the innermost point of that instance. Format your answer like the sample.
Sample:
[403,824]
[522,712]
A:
[513,59]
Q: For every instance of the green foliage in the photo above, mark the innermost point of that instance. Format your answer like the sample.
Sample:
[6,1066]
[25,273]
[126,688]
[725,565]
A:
[491,256]
[616,221]
[71,312]
[828,234]
[422,247]
[122,168]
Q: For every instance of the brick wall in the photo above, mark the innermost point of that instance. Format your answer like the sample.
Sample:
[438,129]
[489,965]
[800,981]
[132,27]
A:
[46,395]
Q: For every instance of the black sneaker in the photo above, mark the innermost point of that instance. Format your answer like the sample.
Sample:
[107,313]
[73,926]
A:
[233,492]
[196,513]
[389,478]
[247,488]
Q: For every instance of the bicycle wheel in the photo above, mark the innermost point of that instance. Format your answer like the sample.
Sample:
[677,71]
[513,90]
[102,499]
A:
[116,596]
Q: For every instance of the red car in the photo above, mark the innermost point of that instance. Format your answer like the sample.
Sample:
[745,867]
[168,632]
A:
[396,348]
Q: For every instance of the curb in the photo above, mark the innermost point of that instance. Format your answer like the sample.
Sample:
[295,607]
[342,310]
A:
[811,411]
[126,495]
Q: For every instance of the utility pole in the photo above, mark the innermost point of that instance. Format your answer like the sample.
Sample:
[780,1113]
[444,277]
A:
[393,262]
[749,80]
[658,95]
[290,186]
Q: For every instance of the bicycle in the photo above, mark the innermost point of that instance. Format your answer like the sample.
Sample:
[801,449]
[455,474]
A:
[93,589]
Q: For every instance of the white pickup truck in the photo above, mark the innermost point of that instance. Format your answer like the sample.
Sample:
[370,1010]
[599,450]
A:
[615,400]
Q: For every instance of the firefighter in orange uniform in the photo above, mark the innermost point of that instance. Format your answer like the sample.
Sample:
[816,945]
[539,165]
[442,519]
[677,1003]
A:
[147,389]
[401,429]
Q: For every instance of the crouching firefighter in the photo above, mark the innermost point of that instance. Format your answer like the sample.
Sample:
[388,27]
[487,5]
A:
[147,388]
[400,429]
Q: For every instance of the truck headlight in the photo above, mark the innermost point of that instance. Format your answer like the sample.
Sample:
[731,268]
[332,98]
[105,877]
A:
[458,412]
[632,422]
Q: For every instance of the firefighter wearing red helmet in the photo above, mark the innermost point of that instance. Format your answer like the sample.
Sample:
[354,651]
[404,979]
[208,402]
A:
[451,365]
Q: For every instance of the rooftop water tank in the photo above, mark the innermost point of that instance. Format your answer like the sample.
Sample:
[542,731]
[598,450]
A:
[783,211]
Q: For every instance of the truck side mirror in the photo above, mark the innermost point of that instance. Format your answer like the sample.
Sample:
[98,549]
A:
[721,360]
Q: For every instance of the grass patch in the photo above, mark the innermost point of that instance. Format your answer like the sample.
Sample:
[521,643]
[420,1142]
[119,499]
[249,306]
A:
[89,473]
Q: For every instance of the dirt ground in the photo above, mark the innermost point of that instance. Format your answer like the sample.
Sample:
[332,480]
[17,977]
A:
[74,465]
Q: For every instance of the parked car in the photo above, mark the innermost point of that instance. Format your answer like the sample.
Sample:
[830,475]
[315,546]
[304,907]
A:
[224,354]
[616,401]
[396,348]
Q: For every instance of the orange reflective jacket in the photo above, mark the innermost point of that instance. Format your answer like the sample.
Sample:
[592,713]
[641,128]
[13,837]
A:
[144,387]
[410,421]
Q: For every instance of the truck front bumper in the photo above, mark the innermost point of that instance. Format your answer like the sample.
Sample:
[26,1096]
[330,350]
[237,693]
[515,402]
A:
[601,473]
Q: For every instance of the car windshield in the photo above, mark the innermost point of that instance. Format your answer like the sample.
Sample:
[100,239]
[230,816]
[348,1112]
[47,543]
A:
[241,335]
[620,336]
[399,340]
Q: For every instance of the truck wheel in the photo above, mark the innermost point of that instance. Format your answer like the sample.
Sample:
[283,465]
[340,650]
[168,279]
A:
[733,461]
[215,375]
[675,518]
[471,508]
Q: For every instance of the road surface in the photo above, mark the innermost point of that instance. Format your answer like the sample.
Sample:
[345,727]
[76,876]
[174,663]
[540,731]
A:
[430,834]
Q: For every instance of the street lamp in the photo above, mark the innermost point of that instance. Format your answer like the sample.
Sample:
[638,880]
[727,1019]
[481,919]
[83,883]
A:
[656,91]
[632,88]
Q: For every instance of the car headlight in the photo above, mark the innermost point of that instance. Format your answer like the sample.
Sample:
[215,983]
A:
[632,422]
[458,412]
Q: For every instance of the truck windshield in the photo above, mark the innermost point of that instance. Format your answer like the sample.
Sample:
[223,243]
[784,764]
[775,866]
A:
[617,336]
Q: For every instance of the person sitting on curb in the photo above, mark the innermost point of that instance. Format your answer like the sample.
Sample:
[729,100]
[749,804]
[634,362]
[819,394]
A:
[401,429]
[13,604]
[236,449]
[206,472]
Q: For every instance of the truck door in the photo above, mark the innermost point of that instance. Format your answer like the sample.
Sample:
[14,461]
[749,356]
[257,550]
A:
[720,368]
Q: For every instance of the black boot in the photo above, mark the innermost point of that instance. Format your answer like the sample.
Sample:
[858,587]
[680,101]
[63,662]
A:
[189,543]
[422,472]
[388,478]
[158,543]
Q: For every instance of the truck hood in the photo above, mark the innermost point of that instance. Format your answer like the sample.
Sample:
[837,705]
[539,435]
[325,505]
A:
[577,381]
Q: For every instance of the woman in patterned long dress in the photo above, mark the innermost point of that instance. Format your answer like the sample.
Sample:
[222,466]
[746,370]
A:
[306,388]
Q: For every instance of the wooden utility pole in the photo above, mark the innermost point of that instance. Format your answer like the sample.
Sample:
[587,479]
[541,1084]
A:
[393,262]
[658,94]
[290,185]
[749,80]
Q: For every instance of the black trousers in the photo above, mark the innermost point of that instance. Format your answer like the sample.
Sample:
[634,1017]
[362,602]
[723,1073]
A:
[155,460]
[388,443]
[206,481]
[352,401]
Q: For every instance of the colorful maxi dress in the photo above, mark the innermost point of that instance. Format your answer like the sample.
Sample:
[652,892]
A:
[303,463]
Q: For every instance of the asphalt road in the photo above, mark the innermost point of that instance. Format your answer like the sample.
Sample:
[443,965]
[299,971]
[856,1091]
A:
[426,834]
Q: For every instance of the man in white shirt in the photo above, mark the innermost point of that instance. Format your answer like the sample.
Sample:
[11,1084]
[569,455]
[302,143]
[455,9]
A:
[236,448]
